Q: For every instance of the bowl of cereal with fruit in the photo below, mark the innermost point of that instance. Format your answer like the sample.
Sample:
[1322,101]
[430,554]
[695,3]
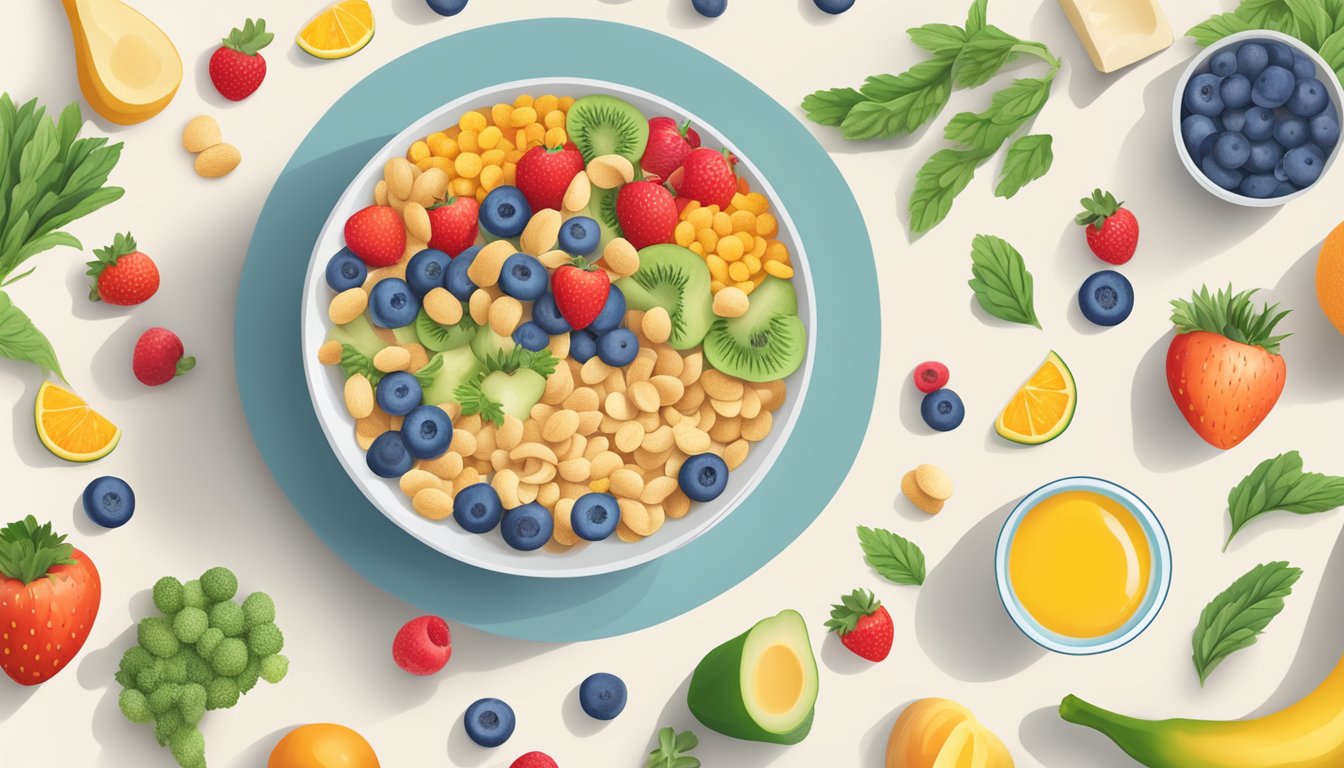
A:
[557,328]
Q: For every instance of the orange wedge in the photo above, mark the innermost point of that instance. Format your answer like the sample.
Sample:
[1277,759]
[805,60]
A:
[338,31]
[70,428]
[1043,408]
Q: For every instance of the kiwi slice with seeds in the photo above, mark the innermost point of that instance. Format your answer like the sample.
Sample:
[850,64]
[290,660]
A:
[766,343]
[605,125]
[677,280]
[438,338]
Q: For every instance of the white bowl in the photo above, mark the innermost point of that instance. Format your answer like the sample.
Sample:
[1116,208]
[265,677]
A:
[1199,65]
[325,383]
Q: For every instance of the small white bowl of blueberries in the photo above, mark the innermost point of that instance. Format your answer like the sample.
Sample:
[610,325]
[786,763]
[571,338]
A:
[1256,118]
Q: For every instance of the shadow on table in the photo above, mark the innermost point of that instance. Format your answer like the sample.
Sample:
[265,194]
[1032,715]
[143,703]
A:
[256,754]
[1316,349]
[873,744]
[1054,742]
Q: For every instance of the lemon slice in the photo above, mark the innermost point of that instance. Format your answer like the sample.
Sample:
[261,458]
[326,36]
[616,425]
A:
[70,428]
[340,30]
[1043,408]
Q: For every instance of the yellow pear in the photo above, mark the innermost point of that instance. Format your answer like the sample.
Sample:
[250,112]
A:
[128,68]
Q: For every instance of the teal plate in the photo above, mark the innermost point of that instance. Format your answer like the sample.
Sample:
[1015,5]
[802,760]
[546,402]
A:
[831,420]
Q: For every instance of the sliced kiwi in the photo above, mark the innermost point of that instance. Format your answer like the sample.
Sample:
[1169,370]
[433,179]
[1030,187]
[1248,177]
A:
[406,334]
[459,366]
[360,334]
[677,280]
[486,343]
[766,343]
[602,209]
[438,338]
[605,125]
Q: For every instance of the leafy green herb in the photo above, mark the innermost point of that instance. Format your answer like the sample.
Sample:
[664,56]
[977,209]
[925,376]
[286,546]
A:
[672,749]
[1028,159]
[1280,483]
[1318,23]
[425,376]
[938,183]
[20,339]
[474,401]
[353,361]
[542,362]
[1233,619]
[895,559]
[1001,282]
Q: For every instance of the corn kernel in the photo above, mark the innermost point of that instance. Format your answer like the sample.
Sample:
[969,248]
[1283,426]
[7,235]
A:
[779,269]
[600,486]
[523,117]
[424,163]
[523,101]
[746,286]
[501,113]
[723,224]
[739,202]
[684,233]
[718,268]
[555,137]
[743,221]
[536,132]
[472,121]
[510,172]
[520,139]
[491,176]
[469,141]
[700,218]
[691,205]
[715,286]
[418,151]
[756,203]
[730,249]
[545,103]
[438,143]
[748,241]
[708,239]
[468,165]
[443,164]
[493,157]
[566,102]
[758,248]
[505,145]
[697,249]
[480,194]
[738,271]
[776,252]
[554,119]
[463,187]
[767,225]
[752,261]
[489,138]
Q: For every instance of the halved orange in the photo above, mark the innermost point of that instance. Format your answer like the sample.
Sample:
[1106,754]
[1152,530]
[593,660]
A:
[338,31]
[1043,408]
[70,428]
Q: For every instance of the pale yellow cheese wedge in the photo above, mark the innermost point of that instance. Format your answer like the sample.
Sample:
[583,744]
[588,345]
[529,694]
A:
[128,68]
[1117,33]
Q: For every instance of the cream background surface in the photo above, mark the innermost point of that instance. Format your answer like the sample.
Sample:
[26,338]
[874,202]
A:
[205,497]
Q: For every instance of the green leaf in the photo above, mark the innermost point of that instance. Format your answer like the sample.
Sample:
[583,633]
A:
[983,55]
[1233,619]
[1280,484]
[21,340]
[830,107]
[671,745]
[1332,50]
[1314,23]
[1216,28]
[474,401]
[937,38]
[1001,282]
[355,362]
[1020,101]
[28,551]
[975,17]
[425,376]
[899,104]
[937,184]
[1028,159]
[895,559]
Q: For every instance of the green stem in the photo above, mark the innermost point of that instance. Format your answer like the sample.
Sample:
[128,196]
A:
[1041,52]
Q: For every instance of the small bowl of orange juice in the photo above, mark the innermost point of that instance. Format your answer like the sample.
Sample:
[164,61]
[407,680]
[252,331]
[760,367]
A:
[1083,566]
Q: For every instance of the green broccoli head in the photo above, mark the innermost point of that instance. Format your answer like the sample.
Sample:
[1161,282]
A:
[221,693]
[219,584]
[258,609]
[164,698]
[199,670]
[230,657]
[228,616]
[168,595]
[189,623]
[188,746]
[175,669]
[265,640]
[156,635]
[150,678]
[133,661]
[209,641]
[192,703]
[167,724]
[274,668]
[135,706]
[247,679]
[193,595]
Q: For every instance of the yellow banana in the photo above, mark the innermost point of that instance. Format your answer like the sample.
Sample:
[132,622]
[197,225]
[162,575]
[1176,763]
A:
[939,733]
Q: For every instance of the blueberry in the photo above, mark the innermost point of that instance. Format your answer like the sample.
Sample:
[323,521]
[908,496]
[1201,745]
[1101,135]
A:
[505,212]
[546,314]
[1194,130]
[1280,55]
[710,8]
[1232,150]
[1292,132]
[1227,179]
[346,271]
[1303,165]
[582,345]
[1259,124]
[425,271]
[427,431]
[392,303]
[1233,120]
[1324,130]
[579,236]
[1309,98]
[1273,87]
[834,7]
[1223,63]
[455,277]
[447,7]
[618,347]
[1236,92]
[1206,148]
[527,527]
[531,337]
[1303,67]
[489,722]
[603,695]
[1285,188]
[389,456]
[109,501]
[1264,156]
[1106,298]
[1202,97]
[398,393]
[594,516]
[477,508]
[1252,58]
[1279,174]
[613,312]
[942,410]
[703,476]
[1259,185]
[523,277]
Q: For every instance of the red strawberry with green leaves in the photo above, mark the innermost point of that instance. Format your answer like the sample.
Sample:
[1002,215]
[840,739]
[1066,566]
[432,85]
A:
[706,176]
[236,67]
[377,235]
[543,174]
[863,625]
[1223,367]
[122,275]
[580,292]
[159,357]
[452,224]
[49,596]
[1112,231]
[647,213]
[667,147]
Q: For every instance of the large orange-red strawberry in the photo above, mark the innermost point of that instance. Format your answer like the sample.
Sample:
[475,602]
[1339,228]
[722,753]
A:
[544,174]
[1223,367]
[580,292]
[646,212]
[236,67]
[706,176]
[377,235]
[122,275]
[49,596]
[863,625]
[1112,231]
[453,225]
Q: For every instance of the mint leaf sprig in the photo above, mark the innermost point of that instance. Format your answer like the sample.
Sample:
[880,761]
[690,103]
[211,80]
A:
[1280,484]
[1001,282]
[895,558]
[1236,617]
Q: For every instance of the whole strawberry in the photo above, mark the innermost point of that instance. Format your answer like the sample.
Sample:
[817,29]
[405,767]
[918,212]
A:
[534,760]
[647,213]
[707,177]
[667,147]
[543,174]
[1112,231]
[452,224]
[158,357]
[580,291]
[121,274]
[863,625]
[377,235]
[236,67]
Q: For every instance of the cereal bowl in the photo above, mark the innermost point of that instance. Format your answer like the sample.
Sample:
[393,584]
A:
[326,383]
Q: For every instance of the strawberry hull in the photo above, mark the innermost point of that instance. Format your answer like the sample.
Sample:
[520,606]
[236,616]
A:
[1223,388]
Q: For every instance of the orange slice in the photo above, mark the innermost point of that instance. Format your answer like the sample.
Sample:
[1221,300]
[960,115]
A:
[70,428]
[1043,408]
[340,30]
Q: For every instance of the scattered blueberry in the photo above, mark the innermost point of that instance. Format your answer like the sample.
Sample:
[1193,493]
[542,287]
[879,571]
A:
[1223,63]
[1264,156]
[447,7]
[579,236]
[455,278]
[398,393]
[546,314]
[523,277]
[1280,55]
[1252,58]
[582,345]
[527,527]
[1232,150]
[389,456]
[834,7]
[346,271]
[1309,98]
[477,508]
[1292,132]
[617,347]
[1202,96]
[1233,120]
[703,476]
[1259,185]
[427,431]
[1259,125]
[1324,130]
[594,516]
[1303,67]
[1106,298]
[489,722]
[109,501]
[710,8]
[1227,179]
[1194,130]
[425,271]
[1235,92]
[505,212]
[942,409]
[531,337]
[392,303]
[603,695]
[613,312]
[1303,165]
[1273,87]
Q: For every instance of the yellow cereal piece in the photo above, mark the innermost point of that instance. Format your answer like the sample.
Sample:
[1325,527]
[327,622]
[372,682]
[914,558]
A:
[522,117]
[468,142]
[933,481]
[418,151]
[329,353]
[756,203]
[718,268]
[776,252]
[491,176]
[730,249]
[438,144]
[716,285]
[553,119]
[424,163]
[742,221]
[918,497]
[767,225]
[513,155]
[535,132]
[524,100]
[510,171]
[691,205]
[468,165]
[697,249]
[746,286]
[501,113]
[545,103]
[472,121]
[566,102]
[493,157]
[600,486]
[753,263]
[684,233]
[463,187]
[779,269]
[445,164]
[723,224]
[555,137]
[700,218]
[707,238]
[489,138]
[505,145]
[738,271]
[758,248]
[520,139]
[748,241]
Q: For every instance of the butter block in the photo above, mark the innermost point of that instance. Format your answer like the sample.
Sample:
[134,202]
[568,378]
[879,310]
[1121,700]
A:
[1117,33]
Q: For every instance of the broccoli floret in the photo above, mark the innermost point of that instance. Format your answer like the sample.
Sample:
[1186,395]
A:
[135,706]
[188,746]
[193,595]
[209,642]
[247,679]
[274,668]
[156,635]
[228,616]
[258,609]
[166,724]
[198,670]
[175,669]
[219,584]
[221,693]
[230,658]
[189,623]
[164,698]
[133,661]
[168,595]
[265,640]
[150,678]
[192,703]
